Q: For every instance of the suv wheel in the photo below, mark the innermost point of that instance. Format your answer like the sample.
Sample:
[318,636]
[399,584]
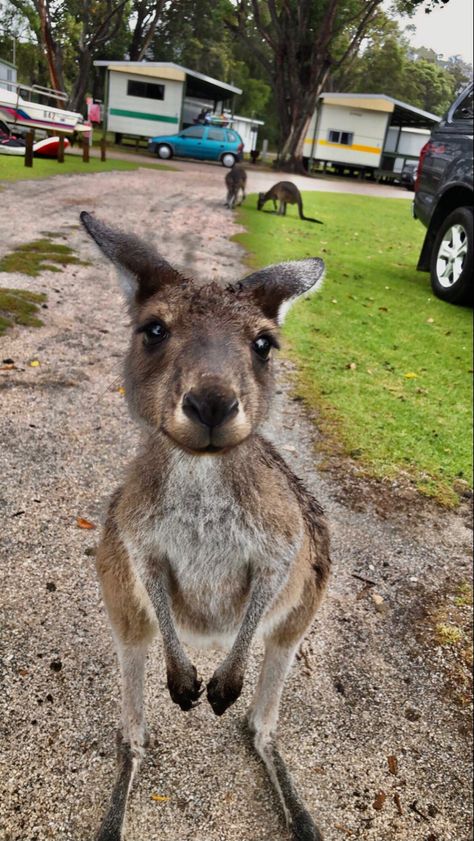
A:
[164,151]
[451,258]
[228,159]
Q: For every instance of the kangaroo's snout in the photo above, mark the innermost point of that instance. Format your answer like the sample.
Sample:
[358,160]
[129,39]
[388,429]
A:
[210,408]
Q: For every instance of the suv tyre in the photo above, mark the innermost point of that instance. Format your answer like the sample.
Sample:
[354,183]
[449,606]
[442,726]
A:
[451,258]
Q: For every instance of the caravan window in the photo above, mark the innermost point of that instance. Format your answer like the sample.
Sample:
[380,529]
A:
[146,90]
[343,137]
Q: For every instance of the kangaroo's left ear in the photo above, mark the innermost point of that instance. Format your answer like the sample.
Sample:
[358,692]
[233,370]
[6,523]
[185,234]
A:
[277,287]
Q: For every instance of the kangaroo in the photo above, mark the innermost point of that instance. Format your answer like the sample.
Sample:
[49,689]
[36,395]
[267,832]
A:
[287,193]
[211,539]
[235,179]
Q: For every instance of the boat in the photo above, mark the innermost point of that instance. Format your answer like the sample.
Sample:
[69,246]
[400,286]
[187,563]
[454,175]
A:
[11,144]
[31,108]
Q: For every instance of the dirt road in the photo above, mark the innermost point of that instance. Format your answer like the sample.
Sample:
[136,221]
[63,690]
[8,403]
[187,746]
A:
[369,686]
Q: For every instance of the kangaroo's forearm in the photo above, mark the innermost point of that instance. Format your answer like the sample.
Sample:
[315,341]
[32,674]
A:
[157,591]
[262,595]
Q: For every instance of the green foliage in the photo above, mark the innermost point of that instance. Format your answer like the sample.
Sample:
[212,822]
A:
[18,306]
[428,86]
[194,35]
[389,65]
[386,365]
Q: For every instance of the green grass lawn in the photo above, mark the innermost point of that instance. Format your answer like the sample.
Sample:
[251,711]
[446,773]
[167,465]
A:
[14,169]
[387,365]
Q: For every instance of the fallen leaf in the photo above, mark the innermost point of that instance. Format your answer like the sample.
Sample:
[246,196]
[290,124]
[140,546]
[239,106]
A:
[379,801]
[392,764]
[383,309]
[379,602]
[410,375]
[160,798]
[344,829]
[84,524]
[396,798]
[334,301]
[351,365]
[8,366]
[35,363]
[430,320]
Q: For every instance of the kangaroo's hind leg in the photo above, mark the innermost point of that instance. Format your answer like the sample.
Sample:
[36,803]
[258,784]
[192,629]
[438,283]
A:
[280,648]
[133,627]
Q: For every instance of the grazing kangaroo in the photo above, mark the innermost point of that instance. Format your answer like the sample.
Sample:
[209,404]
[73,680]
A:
[211,538]
[235,179]
[286,193]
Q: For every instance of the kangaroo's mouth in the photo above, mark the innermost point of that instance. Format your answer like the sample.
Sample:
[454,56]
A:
[201,448]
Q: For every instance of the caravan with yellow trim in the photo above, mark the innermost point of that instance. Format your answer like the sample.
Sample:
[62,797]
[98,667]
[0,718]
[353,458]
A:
[363,133]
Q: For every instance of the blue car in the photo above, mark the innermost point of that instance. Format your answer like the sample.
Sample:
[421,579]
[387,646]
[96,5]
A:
[206,143]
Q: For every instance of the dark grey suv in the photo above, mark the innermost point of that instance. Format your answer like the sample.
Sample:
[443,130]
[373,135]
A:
[443,202]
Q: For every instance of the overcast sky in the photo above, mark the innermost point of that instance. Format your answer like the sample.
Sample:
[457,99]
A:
[447,30]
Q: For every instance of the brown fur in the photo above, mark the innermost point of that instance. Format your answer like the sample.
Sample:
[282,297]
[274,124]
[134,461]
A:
[236,180]
[211,535]
[285,192]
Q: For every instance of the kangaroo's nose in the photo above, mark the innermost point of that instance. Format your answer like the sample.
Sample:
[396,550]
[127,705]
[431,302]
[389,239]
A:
[210,408]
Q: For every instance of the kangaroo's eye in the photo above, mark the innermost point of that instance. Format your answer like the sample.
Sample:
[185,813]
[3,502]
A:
[262,346]
[153,333]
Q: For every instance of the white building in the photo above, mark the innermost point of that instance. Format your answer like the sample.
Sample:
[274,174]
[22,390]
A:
[366,132]
[7,74]
[145,99]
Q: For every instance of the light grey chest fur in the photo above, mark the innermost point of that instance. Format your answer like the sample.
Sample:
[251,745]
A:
[206,535]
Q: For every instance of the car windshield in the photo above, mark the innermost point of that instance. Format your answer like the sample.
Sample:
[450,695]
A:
[193,131]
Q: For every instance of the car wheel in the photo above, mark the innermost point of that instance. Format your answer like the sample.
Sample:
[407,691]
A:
[228,159]
[164,151]
[451,258]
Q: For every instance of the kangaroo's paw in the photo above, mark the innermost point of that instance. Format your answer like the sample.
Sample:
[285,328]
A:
[184,687]
[223,689]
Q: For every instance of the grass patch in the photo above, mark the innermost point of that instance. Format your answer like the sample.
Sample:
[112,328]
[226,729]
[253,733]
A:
[387,365]
[31,258]
[17,306]
[14,169]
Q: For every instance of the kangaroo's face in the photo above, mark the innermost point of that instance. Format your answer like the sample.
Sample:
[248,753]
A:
[260,201]
[199,366]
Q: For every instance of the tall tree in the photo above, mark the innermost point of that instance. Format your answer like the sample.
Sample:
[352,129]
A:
[74,31]
[299,43]
[146,14]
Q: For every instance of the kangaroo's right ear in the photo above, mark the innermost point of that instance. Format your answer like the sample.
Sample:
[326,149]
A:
[140,268]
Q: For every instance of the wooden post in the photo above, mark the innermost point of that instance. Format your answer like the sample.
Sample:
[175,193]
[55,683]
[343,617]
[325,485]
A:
[30,139]
[85,148]
[61,149]
[103,149]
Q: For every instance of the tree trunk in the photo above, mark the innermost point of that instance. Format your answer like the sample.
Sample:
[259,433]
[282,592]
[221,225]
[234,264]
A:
[76,100]
[52,49]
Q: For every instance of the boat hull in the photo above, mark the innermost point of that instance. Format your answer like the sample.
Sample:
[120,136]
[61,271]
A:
[20,112]
[47,148]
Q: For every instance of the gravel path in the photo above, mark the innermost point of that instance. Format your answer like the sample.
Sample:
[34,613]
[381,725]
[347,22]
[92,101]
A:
[367,688]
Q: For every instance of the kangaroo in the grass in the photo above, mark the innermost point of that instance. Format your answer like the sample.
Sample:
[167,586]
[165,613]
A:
[211,537]
[285,192]
[236,180]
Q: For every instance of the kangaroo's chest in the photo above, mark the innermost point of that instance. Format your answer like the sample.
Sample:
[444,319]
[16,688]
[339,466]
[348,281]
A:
[209,540]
